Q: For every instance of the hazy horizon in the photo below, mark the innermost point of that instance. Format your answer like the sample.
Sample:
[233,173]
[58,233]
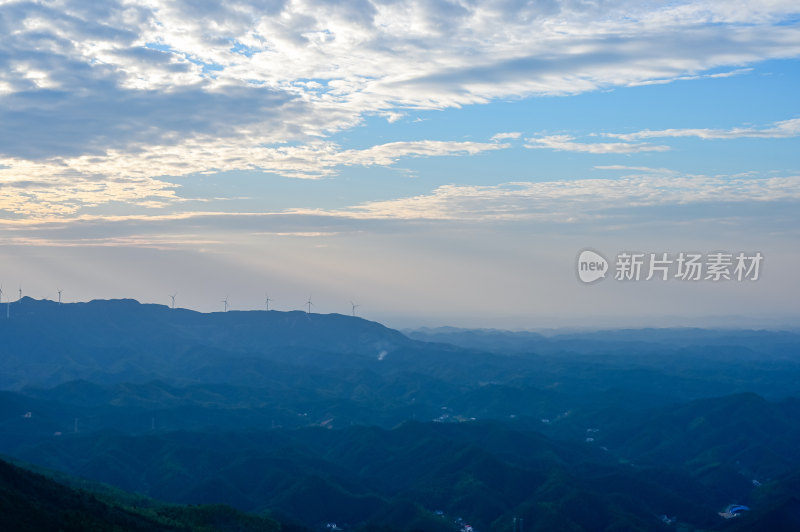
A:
[546,325]
[438,163]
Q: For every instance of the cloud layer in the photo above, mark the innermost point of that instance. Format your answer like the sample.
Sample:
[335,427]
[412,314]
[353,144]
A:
[642,195]
[779,130]
[570,201]
[567,143]
[99,100]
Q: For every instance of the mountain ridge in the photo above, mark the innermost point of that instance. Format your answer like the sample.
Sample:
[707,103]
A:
[47,343]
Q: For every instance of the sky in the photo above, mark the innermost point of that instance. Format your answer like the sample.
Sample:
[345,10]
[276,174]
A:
[435,162]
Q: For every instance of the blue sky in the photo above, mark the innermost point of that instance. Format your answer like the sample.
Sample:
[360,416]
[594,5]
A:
[437,162]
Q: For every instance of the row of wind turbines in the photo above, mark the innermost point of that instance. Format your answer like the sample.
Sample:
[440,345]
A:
[20,295]
[267,301]
[8,303]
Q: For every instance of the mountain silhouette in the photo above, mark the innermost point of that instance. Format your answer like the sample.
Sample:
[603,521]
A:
[46,343]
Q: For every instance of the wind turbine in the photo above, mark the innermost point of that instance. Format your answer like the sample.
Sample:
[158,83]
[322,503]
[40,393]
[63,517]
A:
[225,302]
[20,292]
[59,296]
[310,304]
[267,301]
[354,307]
[173,299]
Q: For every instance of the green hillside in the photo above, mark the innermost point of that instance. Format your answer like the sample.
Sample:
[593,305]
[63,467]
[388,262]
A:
[32,502]
[322,419]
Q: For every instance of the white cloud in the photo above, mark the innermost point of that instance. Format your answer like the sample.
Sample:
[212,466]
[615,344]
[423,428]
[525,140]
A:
[63,186]
[645,196]
[99,99]
[566,143]
[504,136]
[387,154]
[230,66]
[781,129]
[645,169]
[778,130]
[393,117]
[727,74]
[569,201]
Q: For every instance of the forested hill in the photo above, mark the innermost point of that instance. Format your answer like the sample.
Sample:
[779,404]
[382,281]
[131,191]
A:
[323,419]
[46,343]
[30,502]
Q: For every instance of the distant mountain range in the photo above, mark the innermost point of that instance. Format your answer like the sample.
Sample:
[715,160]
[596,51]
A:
[773,343]
[112,341]
[318,419]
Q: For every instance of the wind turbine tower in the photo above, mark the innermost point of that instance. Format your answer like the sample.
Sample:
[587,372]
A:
[310,304]
[20,292]
[354,307]
[267,301]
[225,302]
[173,299]
[59,296]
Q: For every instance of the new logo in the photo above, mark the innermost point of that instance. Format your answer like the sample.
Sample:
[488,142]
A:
[591,266]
